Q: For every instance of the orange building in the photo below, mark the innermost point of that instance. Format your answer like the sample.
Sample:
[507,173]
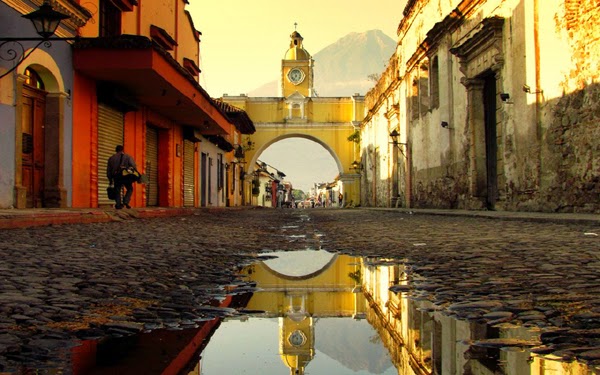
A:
[136,84]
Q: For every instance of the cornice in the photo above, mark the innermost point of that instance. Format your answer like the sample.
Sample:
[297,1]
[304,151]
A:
[450,23]
[489,31]
[78,15]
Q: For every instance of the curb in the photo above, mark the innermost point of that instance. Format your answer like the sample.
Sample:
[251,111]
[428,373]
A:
[562,218]
[52,218]
[14,219]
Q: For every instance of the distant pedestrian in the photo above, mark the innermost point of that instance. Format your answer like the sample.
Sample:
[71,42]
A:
[340,199]
[122,172]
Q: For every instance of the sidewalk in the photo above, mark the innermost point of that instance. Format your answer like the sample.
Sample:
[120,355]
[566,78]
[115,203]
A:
[22,218]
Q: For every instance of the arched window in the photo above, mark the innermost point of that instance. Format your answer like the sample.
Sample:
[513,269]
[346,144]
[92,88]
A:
[34,79]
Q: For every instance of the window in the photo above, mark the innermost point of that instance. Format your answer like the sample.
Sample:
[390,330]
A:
[414,99]
[110,19]
[220,174]
[434,88]
[34,79]
[424,88]
[419,94]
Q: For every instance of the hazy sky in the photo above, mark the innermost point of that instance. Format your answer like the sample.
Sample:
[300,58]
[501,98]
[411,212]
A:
[243,43]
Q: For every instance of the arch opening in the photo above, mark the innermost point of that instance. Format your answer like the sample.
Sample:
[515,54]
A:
[304,159]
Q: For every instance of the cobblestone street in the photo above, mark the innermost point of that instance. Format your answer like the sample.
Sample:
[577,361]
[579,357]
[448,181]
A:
[93,280]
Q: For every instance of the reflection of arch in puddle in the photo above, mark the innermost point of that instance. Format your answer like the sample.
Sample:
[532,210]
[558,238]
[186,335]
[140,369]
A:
[313,282]
[299,265]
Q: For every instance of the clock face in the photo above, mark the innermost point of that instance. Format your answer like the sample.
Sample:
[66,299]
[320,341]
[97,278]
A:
[296,76]
[297,338]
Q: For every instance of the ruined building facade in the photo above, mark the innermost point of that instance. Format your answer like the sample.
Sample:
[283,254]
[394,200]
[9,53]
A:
[496,105]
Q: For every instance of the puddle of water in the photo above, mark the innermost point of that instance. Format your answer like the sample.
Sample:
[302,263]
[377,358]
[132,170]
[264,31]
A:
[313,321]
[314,312]
[328,313]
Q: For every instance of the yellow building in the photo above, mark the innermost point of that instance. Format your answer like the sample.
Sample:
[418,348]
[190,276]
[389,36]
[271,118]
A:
[299,113]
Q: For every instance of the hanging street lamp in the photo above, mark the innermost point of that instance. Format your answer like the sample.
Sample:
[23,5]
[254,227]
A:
[45,20]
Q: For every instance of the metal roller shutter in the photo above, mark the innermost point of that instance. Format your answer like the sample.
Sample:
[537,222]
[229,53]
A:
[152,166]
[110,134]
[188,173]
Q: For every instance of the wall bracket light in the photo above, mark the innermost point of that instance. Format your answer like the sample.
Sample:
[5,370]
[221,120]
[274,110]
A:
[395,135]
[356,165]
[505,97]
[527,90]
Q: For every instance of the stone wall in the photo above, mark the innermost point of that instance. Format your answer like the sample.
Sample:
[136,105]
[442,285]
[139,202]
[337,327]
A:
[571,154]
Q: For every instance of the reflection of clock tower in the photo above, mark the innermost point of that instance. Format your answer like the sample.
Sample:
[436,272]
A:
[296,335]
[297,69]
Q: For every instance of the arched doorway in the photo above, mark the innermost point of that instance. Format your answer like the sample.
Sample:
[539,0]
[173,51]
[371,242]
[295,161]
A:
[39,139]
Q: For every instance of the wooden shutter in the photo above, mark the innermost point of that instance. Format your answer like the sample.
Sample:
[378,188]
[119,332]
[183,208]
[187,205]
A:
[152,166]
[188,173]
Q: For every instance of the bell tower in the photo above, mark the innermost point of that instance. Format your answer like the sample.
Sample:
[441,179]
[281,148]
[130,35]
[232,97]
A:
[297,69]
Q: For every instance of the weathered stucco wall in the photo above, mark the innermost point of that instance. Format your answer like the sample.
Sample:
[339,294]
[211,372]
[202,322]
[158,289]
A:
[498,106]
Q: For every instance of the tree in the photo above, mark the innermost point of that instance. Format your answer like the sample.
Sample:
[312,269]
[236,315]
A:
[298,194]
[374,77]
[354,137]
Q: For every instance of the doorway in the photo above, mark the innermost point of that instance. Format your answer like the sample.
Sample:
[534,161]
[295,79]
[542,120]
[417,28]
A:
[203,170]
[491,141]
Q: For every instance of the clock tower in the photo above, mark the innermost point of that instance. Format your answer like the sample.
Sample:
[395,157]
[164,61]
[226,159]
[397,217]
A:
[297,69]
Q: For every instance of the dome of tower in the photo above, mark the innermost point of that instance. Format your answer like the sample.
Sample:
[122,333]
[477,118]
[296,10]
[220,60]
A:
[296,51]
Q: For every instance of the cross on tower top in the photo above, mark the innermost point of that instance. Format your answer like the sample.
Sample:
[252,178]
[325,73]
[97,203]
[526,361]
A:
[295,26]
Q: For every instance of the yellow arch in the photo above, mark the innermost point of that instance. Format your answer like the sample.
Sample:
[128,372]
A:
[44,65]
[332,137]
[327,121]
[259,149]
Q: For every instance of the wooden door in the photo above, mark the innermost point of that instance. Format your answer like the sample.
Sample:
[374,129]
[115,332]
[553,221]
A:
[33,145]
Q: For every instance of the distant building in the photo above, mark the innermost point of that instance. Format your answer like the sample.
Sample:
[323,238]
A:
[265,184]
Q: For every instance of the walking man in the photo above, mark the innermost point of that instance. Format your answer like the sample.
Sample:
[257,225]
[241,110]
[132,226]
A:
[114,171]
